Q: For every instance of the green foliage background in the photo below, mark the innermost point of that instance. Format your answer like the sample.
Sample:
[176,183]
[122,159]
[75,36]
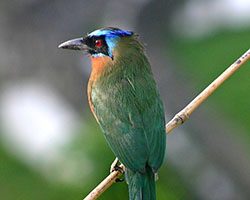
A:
[200,62]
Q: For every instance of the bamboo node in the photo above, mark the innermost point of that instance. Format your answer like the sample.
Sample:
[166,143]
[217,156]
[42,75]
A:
[182,117]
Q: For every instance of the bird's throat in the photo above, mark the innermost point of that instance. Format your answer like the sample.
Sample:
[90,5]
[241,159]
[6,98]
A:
[98,65]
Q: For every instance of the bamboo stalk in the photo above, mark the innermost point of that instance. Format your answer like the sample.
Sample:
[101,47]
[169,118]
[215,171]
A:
[184,114]
[105,184]
[178,119]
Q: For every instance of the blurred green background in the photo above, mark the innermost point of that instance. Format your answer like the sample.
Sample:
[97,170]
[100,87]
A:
[50,145]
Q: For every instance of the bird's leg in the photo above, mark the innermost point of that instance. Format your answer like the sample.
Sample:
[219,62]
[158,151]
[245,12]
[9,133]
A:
[156,174]
[115,167]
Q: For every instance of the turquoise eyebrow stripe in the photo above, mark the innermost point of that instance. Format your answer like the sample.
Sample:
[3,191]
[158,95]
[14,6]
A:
[110,33]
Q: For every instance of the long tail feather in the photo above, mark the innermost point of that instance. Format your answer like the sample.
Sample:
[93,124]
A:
[141,185]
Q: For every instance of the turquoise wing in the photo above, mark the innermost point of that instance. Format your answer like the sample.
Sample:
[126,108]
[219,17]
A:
[131,116]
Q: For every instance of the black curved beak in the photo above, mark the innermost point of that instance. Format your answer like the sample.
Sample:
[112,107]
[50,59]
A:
[75,44]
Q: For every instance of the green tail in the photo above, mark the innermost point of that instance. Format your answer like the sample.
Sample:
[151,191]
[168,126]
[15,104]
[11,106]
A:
[141,185]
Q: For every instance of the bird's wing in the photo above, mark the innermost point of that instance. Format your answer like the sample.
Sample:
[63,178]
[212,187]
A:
[131,116]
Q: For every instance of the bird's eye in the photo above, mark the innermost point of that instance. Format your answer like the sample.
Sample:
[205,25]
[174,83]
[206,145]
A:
[98,43]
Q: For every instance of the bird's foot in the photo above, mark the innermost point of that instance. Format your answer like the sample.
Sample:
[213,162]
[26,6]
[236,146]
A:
[119,180]
[119,169]
[115,167]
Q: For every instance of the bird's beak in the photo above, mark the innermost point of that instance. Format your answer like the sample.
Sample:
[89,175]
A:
[75,44]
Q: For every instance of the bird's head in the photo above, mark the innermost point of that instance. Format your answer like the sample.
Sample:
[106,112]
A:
[99,43]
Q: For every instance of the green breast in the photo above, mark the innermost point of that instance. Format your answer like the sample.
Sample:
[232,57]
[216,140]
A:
[130,111]
[131,116]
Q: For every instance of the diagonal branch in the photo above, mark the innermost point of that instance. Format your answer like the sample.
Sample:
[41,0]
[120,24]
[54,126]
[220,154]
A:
[184,114]
[178,119]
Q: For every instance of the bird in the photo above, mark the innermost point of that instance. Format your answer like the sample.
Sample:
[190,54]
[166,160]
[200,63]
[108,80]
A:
[126,103]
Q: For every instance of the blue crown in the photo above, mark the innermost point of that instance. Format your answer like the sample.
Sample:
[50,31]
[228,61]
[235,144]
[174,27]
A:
[110,32]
